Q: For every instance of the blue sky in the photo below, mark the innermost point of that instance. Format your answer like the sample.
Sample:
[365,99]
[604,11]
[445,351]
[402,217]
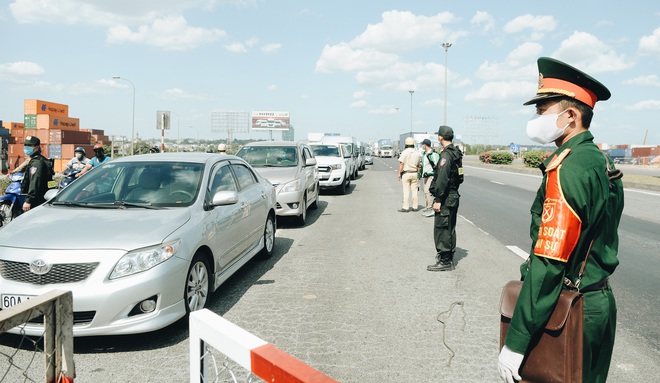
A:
[335,66]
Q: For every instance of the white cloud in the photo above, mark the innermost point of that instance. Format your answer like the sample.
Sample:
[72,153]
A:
[170,33]
[342,57]
[520,63]
[360,94]
[650,45]
[179,94]
[236,47]
[650,80]
[537,25]
[271,48]
[401,31]
[271,87]
[501,90]
[359,104]
[645,105]
[21,68]
[485,20]
[587,53]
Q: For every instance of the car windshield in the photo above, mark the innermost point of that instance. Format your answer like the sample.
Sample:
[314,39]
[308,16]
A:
[326,150]
[269,156]
[135,184]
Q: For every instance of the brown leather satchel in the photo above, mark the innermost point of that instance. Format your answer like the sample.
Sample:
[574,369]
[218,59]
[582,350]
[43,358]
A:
[556,356]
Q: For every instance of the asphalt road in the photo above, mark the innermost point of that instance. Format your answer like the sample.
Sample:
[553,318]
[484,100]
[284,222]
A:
[349,293]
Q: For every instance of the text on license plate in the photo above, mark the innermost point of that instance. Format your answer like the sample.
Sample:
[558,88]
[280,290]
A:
[9,300]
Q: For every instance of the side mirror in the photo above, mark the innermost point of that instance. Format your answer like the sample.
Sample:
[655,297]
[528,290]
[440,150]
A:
[225,197]
[51,193]
[310,162]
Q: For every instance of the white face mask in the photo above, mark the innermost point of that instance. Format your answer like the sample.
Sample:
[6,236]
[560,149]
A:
[79,156]
[543,128]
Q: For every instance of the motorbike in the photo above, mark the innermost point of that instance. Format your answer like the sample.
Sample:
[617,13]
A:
[69,176]
[11,204]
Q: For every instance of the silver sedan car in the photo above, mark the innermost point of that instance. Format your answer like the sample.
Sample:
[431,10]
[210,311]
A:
[140,241]
[291,167]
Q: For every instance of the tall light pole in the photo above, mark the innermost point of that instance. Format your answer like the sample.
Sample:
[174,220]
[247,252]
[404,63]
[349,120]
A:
[446,46]
[411,115]
[133,124]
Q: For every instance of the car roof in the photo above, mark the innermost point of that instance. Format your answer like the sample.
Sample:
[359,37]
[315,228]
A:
[196,157]
[275,143]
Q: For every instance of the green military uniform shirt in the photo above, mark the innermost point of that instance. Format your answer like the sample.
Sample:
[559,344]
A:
[598,203]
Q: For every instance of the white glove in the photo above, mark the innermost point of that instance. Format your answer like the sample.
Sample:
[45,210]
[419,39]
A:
[509,363]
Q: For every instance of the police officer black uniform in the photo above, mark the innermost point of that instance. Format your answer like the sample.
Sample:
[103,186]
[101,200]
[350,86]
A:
[444,188]
[37,176]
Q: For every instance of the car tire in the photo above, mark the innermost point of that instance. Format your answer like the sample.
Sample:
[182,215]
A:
[198,284]
[343,188]
[269,238]
[302,217]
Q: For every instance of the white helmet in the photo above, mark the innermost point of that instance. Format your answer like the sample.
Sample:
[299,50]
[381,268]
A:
[222,147]
[410,141]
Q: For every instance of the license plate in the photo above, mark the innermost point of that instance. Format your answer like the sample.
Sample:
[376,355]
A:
[9,300]
[323,178]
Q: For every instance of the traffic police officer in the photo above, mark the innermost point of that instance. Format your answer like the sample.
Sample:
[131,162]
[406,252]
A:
[447,177]
[576,211]
[39,175]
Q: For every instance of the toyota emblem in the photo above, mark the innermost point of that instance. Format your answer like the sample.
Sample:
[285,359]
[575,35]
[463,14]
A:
[40,267]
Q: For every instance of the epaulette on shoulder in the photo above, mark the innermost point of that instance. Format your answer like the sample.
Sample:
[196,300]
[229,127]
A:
[557,160]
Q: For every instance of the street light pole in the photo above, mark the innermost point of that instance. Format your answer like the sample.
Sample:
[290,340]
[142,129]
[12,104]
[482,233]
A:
[411,113]
[133,124]
[446,46]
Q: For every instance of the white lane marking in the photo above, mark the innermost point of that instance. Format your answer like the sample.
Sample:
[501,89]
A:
[496,182]
[643,192]
[518,251]
[502,171]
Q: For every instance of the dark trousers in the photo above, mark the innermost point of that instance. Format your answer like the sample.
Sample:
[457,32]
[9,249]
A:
[444,229]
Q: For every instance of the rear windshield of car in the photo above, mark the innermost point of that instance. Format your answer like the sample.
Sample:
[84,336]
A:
[325,150]
[269,156]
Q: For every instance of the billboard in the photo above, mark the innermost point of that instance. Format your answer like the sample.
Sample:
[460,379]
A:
[267,120]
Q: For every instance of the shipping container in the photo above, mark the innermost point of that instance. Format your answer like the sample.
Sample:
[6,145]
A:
[54,151]
[641,152]
[45,107]
[59,136]
[59,164]
[68,150]
[12,125]
[19,134]
[30,121]
[47,121]
[4,132]
[43,136]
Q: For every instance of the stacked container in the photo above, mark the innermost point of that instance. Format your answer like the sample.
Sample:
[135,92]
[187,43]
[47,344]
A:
[59,134]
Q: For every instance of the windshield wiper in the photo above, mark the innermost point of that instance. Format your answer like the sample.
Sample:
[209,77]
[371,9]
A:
[80,204]
[144,205]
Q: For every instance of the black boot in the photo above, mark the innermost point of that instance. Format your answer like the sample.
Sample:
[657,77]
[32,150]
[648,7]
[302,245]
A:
[441,266]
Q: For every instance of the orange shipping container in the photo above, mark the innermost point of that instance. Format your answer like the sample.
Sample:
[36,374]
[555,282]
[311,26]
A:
[45,107]
[68,150]
[59,164]
[43,136]
[19,133]
[47,121]
[12,125]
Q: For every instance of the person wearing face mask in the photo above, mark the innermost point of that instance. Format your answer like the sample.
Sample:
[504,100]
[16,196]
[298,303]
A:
[99,158]
[37,176]
[576,212]
[78,162]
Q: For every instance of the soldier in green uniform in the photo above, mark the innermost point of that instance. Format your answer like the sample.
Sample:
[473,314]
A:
[576,211]
[447,177]
[37,175]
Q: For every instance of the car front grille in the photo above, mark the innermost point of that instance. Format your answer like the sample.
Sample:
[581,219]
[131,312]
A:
[59,273]
[324,169]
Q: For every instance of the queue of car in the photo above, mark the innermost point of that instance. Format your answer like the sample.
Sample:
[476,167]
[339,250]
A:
[163,231]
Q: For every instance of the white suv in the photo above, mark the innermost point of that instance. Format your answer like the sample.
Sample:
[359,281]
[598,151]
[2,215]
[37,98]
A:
[332,160]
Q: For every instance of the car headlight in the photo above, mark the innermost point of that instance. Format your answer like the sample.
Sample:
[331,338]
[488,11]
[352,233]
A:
[144,259]
[291,186]
[335,166]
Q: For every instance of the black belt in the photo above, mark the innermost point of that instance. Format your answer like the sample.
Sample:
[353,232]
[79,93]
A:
[602,285]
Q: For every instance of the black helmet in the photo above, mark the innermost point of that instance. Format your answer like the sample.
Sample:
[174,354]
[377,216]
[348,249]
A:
[154,149]
[80,149]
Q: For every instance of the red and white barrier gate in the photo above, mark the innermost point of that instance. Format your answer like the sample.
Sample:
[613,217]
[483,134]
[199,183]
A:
[250,352]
